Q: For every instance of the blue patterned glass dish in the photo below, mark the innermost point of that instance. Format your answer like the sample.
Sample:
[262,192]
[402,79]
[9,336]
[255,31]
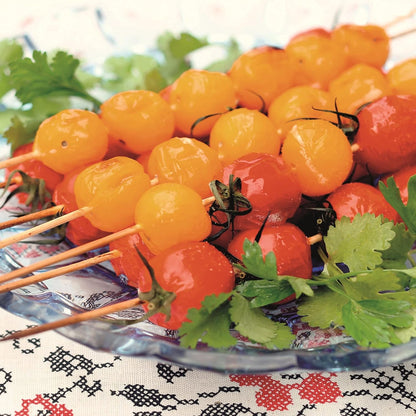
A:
[62,296]
[313,349]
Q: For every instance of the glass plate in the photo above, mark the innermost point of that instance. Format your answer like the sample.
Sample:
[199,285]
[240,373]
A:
[62,296]
[313,349]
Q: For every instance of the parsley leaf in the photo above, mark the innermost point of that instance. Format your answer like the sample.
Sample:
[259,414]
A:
[392,195]
[37,77]
[322,310]
[370,322]
[210,324]
[358,243]
[251,322]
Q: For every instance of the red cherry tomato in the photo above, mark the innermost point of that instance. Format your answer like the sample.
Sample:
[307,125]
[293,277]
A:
[287,242]
[385,137]
[130,264]
[355,198]
[35,169]
[80,230]
[401,178]
[269,184]
[192,271]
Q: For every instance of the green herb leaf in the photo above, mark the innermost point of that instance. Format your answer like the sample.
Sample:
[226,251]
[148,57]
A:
[392,195]
[255,264]
[264,292]
[324,310]
[37,77]
[209,324]
[20,133]
[283,338]
[396,256]
[370,323]
[358,243]
[251,322]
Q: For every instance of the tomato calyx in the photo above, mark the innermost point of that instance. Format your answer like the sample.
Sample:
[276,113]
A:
[230,201]
[156,299]
[35,188]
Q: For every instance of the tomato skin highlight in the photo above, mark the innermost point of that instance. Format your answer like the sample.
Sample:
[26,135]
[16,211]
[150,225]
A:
[355,198]
[287,242]
[129,264]
[192,271]
[82,139]
[385,136]
[269,184]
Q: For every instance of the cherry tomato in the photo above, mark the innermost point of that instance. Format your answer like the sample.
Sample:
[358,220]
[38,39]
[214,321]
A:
[35,169]
[129,264]
[71,139]
[355,198]
[170,213]
[80,230]
[191,270]
[320,154]
[287,242]
[385,137]
[401,178]
[402,77]
[111,188]
[269,184]
[261,74]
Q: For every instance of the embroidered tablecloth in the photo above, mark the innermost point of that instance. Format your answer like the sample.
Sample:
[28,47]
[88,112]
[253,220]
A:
[52,375]
[49,375]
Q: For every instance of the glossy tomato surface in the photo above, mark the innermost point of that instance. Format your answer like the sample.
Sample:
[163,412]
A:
[385,137]
[355,198]
[286,241]
[192,271]
[269,184]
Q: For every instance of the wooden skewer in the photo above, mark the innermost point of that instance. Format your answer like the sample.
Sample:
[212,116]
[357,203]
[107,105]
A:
[399,19]
[404,33]
[41,277]
[74,319]
[44,227]
[31,217]
[59,221]
[76,251]
[14,161]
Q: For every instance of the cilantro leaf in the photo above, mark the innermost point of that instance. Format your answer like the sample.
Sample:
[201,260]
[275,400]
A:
[10,50]
[396,256]
[210,324]
[264,292]
[370,324]
[406,334]
[37,77]
[251,322]
[283,338]
[323,310]
[20,133]
[358,243]
[392,195]
[255,264]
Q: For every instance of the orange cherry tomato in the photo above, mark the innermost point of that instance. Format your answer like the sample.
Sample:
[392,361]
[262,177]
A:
[170,213]
[111,188]
[71,139]
[261,74]
[320,154]
[357,86]
[140,119]
[402,77]
[197,94]
[187,161]
[366,44]
[317,59]
[243,131]
[302,101]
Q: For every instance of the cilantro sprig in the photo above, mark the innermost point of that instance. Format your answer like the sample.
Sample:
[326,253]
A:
[371,302]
